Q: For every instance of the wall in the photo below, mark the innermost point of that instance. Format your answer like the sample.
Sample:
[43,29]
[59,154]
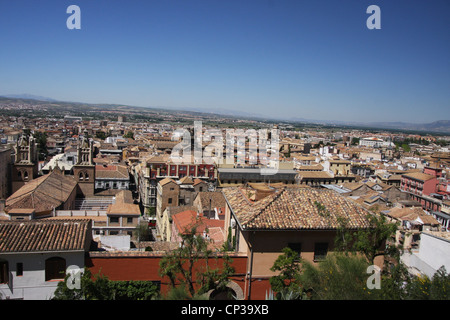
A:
[145,266]
[434,251]
[268,246]
[32,285]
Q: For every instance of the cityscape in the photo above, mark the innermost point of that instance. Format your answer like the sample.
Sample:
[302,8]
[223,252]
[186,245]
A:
[181,187]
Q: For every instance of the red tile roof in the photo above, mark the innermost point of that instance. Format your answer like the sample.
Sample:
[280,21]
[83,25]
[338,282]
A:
[42,194]
[45,235]
[295,209]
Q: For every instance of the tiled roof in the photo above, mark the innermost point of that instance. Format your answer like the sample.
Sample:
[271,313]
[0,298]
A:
[186,180]
[315,175]
[111,172]
[42,194]
[44,235]
[166,181]
[217,199]
[419,176]
[295,209]
[124,205]
[185,220]
[411,214]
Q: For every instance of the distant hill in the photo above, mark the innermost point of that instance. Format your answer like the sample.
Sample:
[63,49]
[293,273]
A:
[440,126]
[28,96]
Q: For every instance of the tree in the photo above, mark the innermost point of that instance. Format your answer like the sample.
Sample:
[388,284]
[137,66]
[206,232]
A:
[338,277]
[90,289]
[41,140]
[288,279]
[129,134]
[100,135]
[183,269]
[100,287]
[355,141]
[372,241]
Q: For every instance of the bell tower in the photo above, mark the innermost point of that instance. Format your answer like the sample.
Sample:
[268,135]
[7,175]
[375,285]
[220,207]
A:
[84,169]
[25,166]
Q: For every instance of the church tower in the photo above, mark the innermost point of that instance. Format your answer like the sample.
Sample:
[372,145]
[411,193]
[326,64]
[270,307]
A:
[84,169]
[25,166]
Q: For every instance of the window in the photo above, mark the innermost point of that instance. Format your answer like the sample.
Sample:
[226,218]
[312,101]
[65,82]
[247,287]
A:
[80,176]
[19,269]
[4,271]
[169,201]
[297,247]
[129,220]
[320,251]
[55,268]
[114,219]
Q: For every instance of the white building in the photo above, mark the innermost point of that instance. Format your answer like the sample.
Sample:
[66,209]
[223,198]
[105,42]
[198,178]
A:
[35,255]
[371,142]
[433,253]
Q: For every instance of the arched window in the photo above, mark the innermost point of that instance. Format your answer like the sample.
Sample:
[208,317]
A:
[80,176]
[4,271]
[55,268]
[19,174]
[25,175]
[86,176]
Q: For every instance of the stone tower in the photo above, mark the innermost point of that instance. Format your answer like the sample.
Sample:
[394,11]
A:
[25,166]
[84,169]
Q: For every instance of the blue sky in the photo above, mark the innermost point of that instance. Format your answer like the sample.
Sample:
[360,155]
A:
[311,59]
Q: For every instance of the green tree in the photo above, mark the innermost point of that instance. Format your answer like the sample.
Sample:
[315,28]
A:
[129,135]
[182,268]
[41,140]
[90,289]
[100,135]
[100,287]
[372,241]
[338,277]
[423,288]
[287,281]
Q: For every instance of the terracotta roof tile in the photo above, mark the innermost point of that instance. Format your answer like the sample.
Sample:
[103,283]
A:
[295,209]
[45,235]
[419,176]
[42,194]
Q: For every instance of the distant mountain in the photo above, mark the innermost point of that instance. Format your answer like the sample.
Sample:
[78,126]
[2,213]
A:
[440,126]
[28,96]
[436,126]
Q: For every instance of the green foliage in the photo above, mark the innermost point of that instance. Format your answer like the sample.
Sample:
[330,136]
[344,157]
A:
[322,210]
[180,266]
[230,244]
[129,134]
[372,241]
[288,267]
[41,140]
[101,288]
[100,135]
[424,288]
[338,277]
[134,290]
[355,141]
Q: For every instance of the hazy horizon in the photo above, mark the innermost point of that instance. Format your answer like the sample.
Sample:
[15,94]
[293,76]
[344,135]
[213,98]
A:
[280,59]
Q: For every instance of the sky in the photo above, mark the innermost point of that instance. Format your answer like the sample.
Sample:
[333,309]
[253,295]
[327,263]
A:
[312,59]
